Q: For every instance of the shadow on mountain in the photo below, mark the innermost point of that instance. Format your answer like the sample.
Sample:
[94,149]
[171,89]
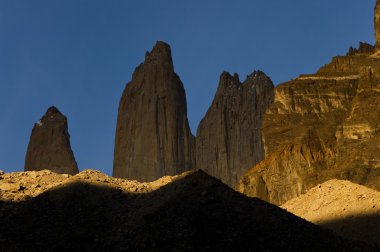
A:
[360,227]
[196,213]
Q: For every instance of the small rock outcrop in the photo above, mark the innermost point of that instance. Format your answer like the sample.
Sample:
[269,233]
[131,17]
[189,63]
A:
[153,137]
[364,48]
[229,139]
[49,145]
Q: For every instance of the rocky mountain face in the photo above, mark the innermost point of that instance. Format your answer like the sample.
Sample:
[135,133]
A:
[49,145]
[153,138]
[195,212]
[229,139]
[306,131]
[321,126]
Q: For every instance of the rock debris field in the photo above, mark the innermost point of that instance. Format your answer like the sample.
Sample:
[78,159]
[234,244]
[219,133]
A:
[44,211]
[349,209]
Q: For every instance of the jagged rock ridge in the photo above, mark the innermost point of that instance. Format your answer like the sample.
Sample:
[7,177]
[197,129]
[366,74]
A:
[49,145]
[229,139]
[153,138]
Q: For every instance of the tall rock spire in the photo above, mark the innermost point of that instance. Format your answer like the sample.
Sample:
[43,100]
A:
[153,137]
[49,146]
[377,25]
[229,140]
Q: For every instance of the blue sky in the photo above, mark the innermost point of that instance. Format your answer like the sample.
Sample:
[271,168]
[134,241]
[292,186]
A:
[79,54]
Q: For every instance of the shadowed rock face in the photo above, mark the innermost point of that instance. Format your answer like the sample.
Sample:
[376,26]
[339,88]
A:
[321,126]
[49,146]
[229,139]
[153,138]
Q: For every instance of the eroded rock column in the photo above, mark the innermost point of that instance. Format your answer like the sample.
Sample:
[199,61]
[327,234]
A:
[153,137]
[49,146]
[229,139]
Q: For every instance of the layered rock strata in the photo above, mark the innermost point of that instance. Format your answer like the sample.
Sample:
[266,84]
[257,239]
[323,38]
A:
[321,126]
[153,138]
[49,145]
[229,139]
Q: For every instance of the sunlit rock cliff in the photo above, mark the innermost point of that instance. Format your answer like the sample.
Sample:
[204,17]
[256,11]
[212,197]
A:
[321,126]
